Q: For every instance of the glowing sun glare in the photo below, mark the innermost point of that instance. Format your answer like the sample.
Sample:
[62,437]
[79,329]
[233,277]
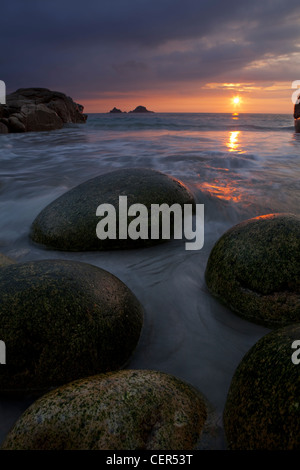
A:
[236,100]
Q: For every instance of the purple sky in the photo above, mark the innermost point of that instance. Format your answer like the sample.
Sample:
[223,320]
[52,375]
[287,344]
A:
[96,49]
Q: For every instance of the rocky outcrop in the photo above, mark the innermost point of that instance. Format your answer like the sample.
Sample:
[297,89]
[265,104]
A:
[117,111]
[297,111]
[297,125]
[3,128]
[38,109]
[141,109]
[125,410]
[297,117]
[138,109]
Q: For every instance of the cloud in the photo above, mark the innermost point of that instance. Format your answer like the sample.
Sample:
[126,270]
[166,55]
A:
[120,46]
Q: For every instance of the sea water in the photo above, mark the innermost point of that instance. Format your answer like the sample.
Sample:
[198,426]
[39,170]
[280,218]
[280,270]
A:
[238,165]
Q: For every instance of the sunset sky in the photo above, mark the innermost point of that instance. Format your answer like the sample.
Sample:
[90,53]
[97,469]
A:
[168,55]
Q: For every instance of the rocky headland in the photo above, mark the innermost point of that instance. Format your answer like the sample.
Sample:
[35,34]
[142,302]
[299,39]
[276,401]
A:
[38,109]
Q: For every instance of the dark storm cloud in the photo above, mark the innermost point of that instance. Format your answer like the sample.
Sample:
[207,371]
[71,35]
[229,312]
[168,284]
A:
[118,45]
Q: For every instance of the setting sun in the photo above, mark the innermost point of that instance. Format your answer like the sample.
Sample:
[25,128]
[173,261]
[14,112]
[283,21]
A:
[236,100]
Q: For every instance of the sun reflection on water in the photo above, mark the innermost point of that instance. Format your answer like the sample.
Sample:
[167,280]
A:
[233,141]
[229,191]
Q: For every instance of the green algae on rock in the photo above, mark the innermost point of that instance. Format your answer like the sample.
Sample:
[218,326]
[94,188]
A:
[5,261]
[262,410]
[63,320]
[69,223]
[254,269]
[124,410]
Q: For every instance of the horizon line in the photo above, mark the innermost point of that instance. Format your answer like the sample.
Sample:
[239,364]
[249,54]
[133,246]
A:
[187,112]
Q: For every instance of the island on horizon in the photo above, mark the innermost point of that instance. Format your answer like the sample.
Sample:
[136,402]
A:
[138,109]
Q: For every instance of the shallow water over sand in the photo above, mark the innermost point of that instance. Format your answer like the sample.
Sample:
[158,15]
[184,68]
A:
[238,166]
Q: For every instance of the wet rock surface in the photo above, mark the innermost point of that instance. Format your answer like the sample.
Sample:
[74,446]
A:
[124,410]
[69,222]
[262,410]
[63,320]
[254,268]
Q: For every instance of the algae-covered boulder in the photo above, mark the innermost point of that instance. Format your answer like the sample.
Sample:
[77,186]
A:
[70,222]
[125,410]
[254,268]
[63,320]
[262,410]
